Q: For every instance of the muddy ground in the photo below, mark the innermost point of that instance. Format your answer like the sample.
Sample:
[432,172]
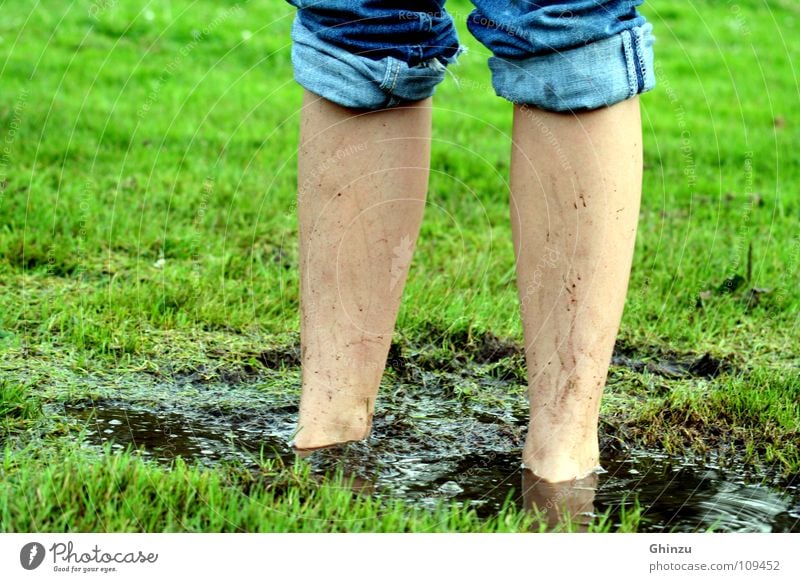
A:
[449,424]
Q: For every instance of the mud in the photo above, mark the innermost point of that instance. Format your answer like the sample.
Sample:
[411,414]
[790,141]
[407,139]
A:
[506,357]
[428,444]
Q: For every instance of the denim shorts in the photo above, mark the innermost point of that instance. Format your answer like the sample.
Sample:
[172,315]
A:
[558,55]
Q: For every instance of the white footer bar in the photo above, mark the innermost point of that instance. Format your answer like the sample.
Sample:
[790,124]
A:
[349,557]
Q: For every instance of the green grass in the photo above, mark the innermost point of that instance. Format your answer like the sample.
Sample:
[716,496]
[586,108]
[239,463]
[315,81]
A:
[751,418]
[18,406]
[147,224]
[123,493]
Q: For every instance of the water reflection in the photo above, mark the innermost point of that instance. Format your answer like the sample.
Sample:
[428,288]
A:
[561,504]
[674,494]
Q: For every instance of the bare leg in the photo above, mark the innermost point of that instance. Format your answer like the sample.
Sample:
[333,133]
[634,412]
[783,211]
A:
[576,185]
[363,179]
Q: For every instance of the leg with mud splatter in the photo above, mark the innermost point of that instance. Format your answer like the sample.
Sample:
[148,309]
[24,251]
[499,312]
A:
[575,189]
[363,179]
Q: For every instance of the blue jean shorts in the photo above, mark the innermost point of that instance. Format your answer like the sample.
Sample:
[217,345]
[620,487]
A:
[558,55]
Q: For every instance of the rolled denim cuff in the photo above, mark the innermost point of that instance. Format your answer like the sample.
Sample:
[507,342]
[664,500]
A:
[356,81]
[595,75]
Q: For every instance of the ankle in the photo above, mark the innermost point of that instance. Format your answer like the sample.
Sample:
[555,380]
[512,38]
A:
[557,461]
[318,428]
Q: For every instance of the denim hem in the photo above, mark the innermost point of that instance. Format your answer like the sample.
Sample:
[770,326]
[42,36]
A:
[630,62]
[595,75]
[358,82]
[392,72]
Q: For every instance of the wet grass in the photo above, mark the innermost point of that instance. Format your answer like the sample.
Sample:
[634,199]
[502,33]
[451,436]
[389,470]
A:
[19,409]
[123,493]
[148,234]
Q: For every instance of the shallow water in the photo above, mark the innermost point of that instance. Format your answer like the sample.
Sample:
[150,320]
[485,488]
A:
[444,453]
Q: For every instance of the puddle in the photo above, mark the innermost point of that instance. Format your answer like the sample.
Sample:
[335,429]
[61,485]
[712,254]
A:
[423,452]
[167,435]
